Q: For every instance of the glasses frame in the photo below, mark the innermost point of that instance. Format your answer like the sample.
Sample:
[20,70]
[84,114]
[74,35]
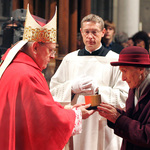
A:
[93,32]
[52,52]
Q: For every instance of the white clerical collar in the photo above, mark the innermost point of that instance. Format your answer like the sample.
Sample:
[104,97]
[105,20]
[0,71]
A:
[95,50]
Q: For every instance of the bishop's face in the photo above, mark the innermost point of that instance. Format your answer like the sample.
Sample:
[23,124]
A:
[45,52]
[92,35]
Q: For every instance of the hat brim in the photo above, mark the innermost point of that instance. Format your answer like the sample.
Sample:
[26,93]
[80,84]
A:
[130,64]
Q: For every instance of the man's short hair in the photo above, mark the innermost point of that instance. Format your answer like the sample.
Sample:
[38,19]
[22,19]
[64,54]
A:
[108,23]
[93,18]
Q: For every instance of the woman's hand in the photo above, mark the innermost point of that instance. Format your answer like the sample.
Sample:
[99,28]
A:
[108,111]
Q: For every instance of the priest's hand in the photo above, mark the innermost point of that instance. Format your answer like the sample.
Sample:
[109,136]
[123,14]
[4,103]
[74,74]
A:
[84,84]
[85,113]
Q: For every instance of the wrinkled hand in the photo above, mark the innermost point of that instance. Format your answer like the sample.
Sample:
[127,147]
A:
[84,84]
[85,113]
[108,111]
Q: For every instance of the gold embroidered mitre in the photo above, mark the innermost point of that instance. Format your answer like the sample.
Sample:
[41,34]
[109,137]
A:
[37,30]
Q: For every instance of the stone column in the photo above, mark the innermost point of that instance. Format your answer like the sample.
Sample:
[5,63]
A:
[85,8]
[30,2]
[50,7]
[63,27]
[128,16]
[63,31]
[73,22]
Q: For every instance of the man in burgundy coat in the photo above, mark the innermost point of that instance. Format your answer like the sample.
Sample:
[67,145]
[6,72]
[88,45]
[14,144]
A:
[133,124]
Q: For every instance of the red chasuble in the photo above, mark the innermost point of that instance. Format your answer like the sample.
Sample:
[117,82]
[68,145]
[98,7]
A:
[29,117]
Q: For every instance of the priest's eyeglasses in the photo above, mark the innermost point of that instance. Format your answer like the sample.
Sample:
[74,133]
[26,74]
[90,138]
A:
[93,32]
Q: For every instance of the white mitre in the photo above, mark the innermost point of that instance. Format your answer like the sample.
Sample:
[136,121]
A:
[36,29]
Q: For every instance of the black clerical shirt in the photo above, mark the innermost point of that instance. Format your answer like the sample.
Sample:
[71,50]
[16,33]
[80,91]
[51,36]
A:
[100,52]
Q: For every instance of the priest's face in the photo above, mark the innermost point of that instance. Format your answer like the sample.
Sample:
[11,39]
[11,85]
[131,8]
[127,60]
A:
[92,35]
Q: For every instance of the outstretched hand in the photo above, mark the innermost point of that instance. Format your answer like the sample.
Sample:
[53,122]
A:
[108,111]
[85,113]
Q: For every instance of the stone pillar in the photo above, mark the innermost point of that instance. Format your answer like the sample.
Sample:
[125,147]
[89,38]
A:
[30,2]
[73,22]
[47,9]
[85,8]
[50,7]
[15,4]
[62,31]
[63,27]
[128,16]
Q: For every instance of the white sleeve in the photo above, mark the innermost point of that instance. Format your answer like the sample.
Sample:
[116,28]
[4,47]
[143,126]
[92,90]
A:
[60,86]
[78,122]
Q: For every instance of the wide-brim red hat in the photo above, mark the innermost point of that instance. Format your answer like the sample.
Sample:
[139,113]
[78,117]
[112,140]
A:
[133,56]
